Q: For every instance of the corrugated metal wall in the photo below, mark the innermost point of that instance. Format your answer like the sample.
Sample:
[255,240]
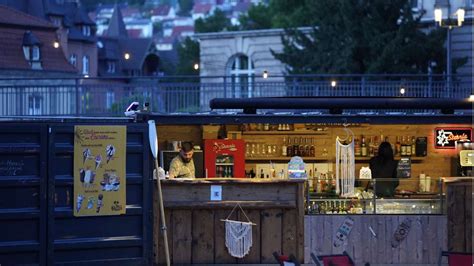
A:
[37,225]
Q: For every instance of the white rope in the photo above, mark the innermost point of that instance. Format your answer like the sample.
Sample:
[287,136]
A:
[345,168]
[238,237]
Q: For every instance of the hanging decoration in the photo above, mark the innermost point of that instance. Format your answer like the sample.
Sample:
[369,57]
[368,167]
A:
[238,235]
[345,165]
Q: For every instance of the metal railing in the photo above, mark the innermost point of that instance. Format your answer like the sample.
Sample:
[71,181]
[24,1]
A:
[110,97]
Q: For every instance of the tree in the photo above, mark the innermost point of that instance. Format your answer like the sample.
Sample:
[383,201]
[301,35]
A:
[258,17]
[185,6]
[188,52]
[352,36]
[215,23]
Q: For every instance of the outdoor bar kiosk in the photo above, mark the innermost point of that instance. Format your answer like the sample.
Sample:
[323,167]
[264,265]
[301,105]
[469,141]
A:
[307,215]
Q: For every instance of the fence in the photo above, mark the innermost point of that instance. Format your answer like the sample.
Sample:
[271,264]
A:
[110,97]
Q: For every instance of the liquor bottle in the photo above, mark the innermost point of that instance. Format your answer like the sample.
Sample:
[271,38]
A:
[252,173]
[296,147]
[413,146]
[301,148]
[307,151]
[289,148]
[408,146]
[262,175]
[403,148]
[363,148]
[310,181]
[397,146]
[312,149]
[376,146]
[283,148]
[357,151]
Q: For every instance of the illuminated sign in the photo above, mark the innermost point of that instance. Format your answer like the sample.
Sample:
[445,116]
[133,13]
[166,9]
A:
[445,138]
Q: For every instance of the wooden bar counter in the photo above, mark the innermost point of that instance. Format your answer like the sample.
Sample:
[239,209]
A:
[196,234]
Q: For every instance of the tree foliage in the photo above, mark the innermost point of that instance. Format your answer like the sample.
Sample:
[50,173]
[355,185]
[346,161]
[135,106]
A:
[188,52]
[353,36]
[214,23]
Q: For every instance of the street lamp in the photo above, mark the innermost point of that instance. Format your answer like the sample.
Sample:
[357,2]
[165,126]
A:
[443,8]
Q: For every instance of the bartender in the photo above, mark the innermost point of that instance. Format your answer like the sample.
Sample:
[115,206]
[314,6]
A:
[384,166]
[182,166]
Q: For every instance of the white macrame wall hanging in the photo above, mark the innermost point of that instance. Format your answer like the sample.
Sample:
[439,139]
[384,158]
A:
[238,235]
[345,166]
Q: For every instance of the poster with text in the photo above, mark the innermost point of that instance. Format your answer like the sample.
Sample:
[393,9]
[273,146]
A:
[99,170]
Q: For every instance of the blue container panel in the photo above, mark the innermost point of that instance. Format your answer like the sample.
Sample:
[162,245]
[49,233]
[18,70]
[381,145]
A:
[135,165]
[23,194]
[15,137]
[19,258]
[65,163]
[20,166]
[20,197]
[20,230]
[98,227]
[104,254]
[134,193]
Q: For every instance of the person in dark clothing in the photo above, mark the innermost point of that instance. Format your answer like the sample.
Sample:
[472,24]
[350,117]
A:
[384,166]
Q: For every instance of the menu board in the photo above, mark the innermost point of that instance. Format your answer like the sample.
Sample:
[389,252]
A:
[404,168]
[99,170]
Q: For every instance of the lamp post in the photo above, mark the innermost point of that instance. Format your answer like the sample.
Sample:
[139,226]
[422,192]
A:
[443,7]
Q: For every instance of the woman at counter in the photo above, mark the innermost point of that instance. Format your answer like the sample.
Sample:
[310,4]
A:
[384,166]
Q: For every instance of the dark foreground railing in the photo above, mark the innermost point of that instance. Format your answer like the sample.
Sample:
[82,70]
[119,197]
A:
[110,97]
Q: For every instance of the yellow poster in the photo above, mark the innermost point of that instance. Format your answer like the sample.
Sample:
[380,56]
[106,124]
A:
[99,170]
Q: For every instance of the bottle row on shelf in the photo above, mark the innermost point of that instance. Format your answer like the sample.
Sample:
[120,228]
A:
[339,207]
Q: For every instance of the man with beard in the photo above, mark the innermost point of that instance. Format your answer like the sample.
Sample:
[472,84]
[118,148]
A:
[182,166]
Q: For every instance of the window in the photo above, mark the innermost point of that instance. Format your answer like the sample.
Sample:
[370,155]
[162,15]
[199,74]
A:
[414,5]
[242,75]
[86,30]
[85,65]
[34,104]
[32,54]
[73,60]
[110,99]
[110,67]
[57,21]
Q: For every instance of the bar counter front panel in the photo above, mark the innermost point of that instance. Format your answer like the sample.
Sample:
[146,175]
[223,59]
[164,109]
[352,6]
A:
[196,233]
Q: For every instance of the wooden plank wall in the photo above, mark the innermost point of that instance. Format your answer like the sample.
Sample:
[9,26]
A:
[427,236]
[196,234]
[460,200]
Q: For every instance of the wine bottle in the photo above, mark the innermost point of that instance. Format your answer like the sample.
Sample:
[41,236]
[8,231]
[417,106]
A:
[312,149]
[363,147]
[283,148]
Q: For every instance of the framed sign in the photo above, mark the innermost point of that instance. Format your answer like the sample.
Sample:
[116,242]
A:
[99,170]
[445,138]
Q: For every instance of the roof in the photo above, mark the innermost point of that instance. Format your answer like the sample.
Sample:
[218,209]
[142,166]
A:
[11,52]
[116,25]
[162,10]
[14,17]
[138,50]
[134,33]
[200,8]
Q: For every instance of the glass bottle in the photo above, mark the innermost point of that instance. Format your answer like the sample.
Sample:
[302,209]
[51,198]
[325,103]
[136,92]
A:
[296,147]
[403,147]
[413,146]
[307,151]
[398,146]
[312,149]
[363,147]
[289,148]
[283,148]
[408,146]
[357,151]
[301,148]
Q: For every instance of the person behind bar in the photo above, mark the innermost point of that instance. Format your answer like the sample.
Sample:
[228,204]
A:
[384,166]
[182,166]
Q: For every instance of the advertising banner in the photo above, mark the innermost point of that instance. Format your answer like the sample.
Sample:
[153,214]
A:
[99,170]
